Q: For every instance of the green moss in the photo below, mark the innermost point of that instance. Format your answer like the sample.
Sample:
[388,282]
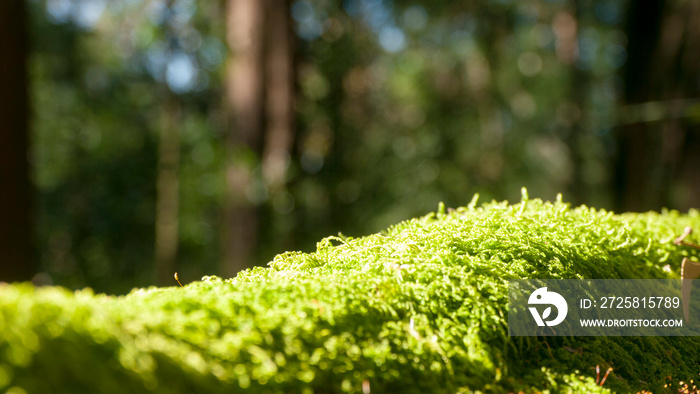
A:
[420,307]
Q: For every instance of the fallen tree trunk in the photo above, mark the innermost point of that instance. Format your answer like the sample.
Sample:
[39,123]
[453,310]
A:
[420,307]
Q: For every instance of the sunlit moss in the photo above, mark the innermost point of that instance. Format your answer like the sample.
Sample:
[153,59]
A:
[420,307]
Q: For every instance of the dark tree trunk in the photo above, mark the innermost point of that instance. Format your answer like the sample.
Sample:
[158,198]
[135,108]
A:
[656,163]
[632,190]
[16,262]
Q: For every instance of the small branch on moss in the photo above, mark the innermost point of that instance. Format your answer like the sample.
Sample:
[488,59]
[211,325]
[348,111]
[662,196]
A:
[597,375]
[178,280]
[681,240]
[578,350]
[549,349]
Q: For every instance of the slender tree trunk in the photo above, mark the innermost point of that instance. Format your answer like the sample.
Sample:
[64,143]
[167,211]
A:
[16,262]
[244,93]
[280,95]
[168,190]
[168,175]
[566,27]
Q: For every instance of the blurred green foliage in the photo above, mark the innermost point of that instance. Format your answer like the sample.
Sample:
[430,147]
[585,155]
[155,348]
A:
[99,73]
[400,105]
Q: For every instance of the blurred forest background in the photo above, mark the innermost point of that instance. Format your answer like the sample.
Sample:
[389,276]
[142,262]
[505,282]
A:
[144,137]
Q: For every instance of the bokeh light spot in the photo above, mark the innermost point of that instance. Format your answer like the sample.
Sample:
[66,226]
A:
[392,39]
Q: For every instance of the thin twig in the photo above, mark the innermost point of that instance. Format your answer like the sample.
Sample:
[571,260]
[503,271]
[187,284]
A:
[549,349]
[178,280]
[606,376]
[578,350]
[681,240]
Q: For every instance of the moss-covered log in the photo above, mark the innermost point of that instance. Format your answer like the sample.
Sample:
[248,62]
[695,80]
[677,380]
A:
[420,307]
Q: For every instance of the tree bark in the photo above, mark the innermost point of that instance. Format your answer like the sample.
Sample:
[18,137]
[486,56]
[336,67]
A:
[244,94]
[16,260]
[279,95]
[656,164]
[167,191]
[260,93]
[634,163]
[168,174]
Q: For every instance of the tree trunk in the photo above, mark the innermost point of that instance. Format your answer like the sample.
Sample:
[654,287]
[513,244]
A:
[260,95]
[656,164]
[633,162]
[244,93]
[566,26]
[280,95]
[16,262]
[168,174]
[168,191]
